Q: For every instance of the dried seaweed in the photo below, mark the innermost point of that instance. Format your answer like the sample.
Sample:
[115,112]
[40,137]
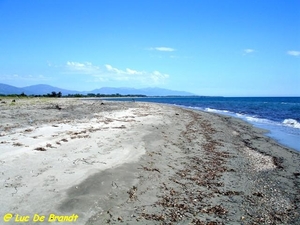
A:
[132,193]
[40,149]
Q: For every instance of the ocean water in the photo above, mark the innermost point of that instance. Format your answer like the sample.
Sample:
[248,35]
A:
[279,115]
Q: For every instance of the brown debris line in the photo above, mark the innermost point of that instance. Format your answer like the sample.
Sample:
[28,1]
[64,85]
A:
[80,136]
[120,127]
[132,193]
[150,169]
[198,179]
[28,130]
[94,129]
[258,194]
[83,133]
[218,210]
[77,133]
[172,216]
[58,107]
[40,149]
[230,193]
[278,162]
[17,144]
[168,201]
[156,217]
[50,146]
[296,174]
[199,222]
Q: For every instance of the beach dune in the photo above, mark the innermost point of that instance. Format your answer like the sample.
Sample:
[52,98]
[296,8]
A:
[100,162]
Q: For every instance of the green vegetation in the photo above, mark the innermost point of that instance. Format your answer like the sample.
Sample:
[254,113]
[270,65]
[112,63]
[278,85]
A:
[91,95]
[54,94]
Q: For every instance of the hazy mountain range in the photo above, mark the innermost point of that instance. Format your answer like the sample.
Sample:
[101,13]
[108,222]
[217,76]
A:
[42,89]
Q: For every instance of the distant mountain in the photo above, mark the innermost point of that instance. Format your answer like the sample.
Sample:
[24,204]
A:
[6,89]
[112,90]
[142,91]
[165,92]
[42,89]
[39,89]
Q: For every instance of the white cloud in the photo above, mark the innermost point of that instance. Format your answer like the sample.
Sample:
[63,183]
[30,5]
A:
[157,76]
[110,73]
[111,69]
[86,68]
[163,49]
[294,53]
[248,51]
[126,72]
[130,71]
[29,77]
[142,76]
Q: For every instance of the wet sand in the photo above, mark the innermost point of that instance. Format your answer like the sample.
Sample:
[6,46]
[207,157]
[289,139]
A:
[140,163]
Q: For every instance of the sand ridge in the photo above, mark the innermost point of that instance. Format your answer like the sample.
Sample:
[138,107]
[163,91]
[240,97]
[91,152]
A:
[45,159]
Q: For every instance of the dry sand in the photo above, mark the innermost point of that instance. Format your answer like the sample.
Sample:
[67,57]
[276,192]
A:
[140,163]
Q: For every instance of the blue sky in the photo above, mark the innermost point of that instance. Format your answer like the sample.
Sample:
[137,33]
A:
[207,47]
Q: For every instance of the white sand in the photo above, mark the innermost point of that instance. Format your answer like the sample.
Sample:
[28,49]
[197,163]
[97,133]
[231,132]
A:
[35,180]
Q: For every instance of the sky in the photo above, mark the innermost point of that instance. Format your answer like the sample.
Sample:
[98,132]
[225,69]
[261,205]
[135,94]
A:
[206,47]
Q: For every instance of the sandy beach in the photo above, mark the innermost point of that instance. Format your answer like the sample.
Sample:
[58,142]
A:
[74,161]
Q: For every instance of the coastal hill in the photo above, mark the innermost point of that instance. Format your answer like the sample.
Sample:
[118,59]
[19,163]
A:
[41,89]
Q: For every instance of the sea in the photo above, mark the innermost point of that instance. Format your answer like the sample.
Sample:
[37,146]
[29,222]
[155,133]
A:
[280,116]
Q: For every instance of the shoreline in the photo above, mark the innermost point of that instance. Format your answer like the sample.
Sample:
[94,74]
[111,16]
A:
[276,130]
[273,131]
[137,163]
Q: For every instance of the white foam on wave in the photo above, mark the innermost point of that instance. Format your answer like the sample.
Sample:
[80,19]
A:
[286,132]
[291,123]
[217,110]
[290,103]
[253,119]
[258,120]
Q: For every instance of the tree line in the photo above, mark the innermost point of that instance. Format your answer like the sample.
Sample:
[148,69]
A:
[54,94]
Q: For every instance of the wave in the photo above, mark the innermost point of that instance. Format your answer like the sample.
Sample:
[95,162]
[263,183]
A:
[254,119]
[290,103]
[259,120]
[218,111]
[291,123]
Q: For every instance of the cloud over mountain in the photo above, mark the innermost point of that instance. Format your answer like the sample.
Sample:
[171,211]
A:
[108,72]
